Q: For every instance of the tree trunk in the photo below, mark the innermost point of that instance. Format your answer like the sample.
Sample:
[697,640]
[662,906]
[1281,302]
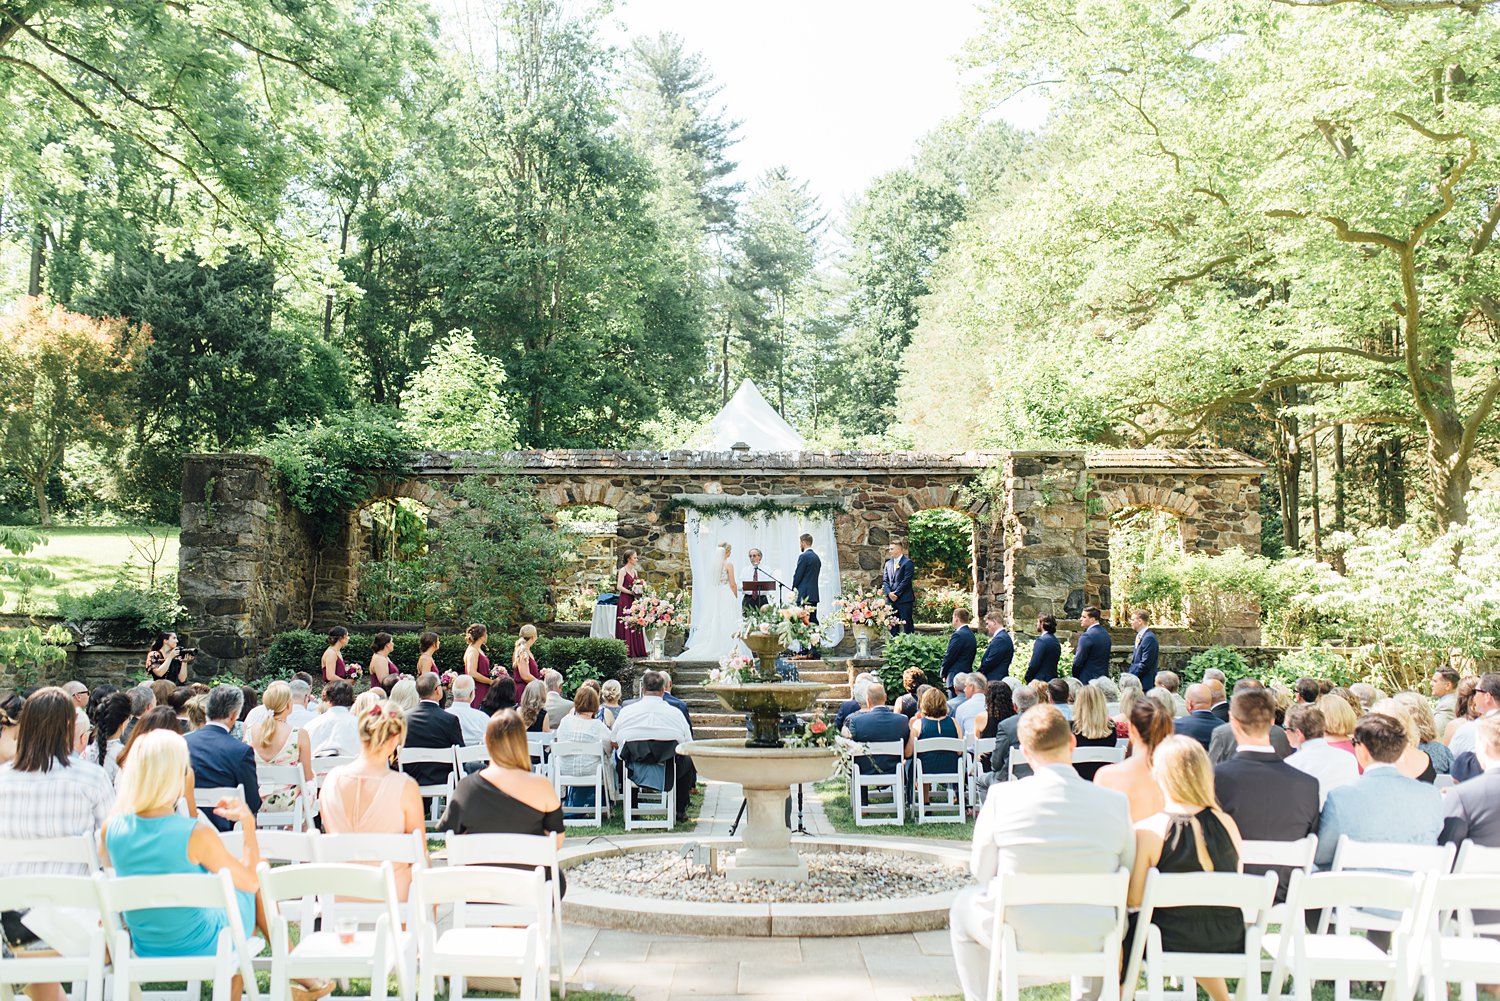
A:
[38,260]
[43,511]
[1338,478]
[1449,473]
[1397,487]
[1317,507]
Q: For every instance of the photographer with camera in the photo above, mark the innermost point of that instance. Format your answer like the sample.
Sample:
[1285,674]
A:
[167,660]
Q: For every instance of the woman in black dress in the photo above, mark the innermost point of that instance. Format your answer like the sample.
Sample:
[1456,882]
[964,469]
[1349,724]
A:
[505,797]
[1092,727]
[1191,834]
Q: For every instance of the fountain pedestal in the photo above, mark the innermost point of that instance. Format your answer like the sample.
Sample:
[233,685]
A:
[767,775]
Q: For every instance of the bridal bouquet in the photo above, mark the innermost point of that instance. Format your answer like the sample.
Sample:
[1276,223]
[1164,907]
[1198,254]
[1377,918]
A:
[732,670]
[864,608]
[651,611]
[447,678]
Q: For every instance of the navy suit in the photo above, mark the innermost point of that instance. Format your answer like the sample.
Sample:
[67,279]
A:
[998,653]
[1199,724]
[1269,800]
[960,655]
[220,761]
[428,726]
[879,724]
[1045,653]
[896,579]
[1091,660]
[805,583]
[1144,657]
[680,706]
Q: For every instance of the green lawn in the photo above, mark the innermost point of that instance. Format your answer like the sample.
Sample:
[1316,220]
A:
[835,796]
[85,558]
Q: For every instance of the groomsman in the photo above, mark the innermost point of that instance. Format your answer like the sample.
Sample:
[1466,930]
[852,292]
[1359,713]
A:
[805,580]
[755,599]
[1147,650]
[959,659]
[1091,659]
[1001,649]
[896,583]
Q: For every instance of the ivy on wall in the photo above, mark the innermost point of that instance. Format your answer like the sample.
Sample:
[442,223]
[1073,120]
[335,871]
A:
[757,510]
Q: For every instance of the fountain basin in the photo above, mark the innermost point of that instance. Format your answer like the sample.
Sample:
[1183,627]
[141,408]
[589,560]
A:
[767,775]
[765,702]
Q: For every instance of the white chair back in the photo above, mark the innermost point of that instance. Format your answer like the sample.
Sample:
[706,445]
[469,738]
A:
[519,948]
[1253,896]
[1297,854]
[1094,890]
[1476,858]
[85,969]
[275,846]
[1098,755]
[470,850]
[299,817]
[862,783]
[370,849]
[464,755]
[77,849]
[1363,855]
[925,784]
[206,798]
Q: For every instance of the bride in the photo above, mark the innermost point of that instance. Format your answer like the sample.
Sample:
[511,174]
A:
[715,624]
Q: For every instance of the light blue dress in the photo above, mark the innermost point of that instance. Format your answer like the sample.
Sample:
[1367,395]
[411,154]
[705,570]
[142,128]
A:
[158,846]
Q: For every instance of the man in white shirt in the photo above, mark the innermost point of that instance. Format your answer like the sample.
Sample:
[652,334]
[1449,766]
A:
[556,706]
[336,731]
[1052,822]
[652,718]
[973,703]
[471,721]
[1487,699]
[1331,766]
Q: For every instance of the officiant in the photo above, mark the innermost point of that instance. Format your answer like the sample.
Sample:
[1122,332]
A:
[755,599]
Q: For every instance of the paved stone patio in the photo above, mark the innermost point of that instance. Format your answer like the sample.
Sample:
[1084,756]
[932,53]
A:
[676,968]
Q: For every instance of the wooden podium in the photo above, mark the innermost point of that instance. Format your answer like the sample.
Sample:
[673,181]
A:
[753,592]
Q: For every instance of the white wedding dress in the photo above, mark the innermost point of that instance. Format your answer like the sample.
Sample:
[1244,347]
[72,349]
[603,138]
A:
[714,626]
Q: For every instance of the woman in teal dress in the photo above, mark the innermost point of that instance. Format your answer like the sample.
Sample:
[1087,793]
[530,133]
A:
[147,837]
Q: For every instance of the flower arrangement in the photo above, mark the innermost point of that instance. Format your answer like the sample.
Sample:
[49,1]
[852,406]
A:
[652,611]
[733,669]
[791,624]
[864,608]
[816,732]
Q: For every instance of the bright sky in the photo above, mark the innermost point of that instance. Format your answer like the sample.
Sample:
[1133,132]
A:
[838,91]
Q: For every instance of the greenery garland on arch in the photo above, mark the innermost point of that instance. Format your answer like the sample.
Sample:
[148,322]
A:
[756,510]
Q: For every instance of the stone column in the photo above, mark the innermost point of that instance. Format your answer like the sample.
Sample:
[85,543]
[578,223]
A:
[1045,536]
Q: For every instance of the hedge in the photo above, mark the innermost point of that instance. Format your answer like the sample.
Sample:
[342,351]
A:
[302,649]
[922,650]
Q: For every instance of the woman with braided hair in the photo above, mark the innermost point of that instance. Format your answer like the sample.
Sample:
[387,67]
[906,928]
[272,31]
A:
[109,717]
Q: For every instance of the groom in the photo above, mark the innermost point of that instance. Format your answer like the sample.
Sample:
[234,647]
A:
[805,581]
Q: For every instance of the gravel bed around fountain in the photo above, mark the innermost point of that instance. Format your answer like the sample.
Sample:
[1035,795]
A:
[859,886]
[833,877]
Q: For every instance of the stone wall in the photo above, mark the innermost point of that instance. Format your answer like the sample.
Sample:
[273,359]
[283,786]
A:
[249,568]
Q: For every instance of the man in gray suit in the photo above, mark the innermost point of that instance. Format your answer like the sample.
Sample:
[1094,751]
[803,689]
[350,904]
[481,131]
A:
[1472,808]
[1052,822]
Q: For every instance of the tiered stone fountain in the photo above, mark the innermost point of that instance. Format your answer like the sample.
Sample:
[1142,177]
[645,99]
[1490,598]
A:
[763,766]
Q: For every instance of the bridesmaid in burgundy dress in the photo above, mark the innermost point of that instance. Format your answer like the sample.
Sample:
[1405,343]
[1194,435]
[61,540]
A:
[625,582]
[334,668]
[476,664]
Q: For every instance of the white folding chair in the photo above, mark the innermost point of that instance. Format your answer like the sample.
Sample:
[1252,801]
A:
[540,746]
[77,849]
[1479,860]
[1341,955]
[465,755]
[377,945]
[518,849]
[436,794]
[1297,854]
[1008,963]
[1374,856]
[1252,895]
[590,754]
[649,809]
[1458,950]
[466,950]
[300,817]
[864,784]
[118,897]
[371,850]
[1017,760]
[205,799]
[39,893]
[925,783]
[1098,755]
[978,747]
[279,847]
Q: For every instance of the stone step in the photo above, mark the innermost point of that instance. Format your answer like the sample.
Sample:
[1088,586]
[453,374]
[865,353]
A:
[718,732]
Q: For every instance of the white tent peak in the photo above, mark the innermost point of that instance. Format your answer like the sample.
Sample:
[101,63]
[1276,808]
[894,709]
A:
[748,418]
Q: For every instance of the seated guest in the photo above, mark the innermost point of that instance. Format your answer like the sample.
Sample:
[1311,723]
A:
[1190,834]
[933,721]
[367,698]
[1464,709]
[142,701]
[109,719]
[277,742]
[1485,700]
[1221,745]
[471,722]
[611,693]
[1200,721]
[958,696]
[1169,682]
[1092,726]
[973,703]
[674,701]
[1420,711]
[1383,805]
[653,725]
[178,700]
[1051,822]
[335,731]
[366,796]
[1445,697]
[218,759]
[1007,739]
[501,695]
[555,706]
[506,797]
[1060,695]
[907,702]
[428,726]
[1149,724]
[1338,722]
[958,659]
[583,724]
[1367,694]
[533,707]
[1215,680]
[161,718]
[1471,809]
[1329,765]
[878,724]
[404,694]
[10,720]
[1414,762]
[999,705]
[1268,798]
[856,701]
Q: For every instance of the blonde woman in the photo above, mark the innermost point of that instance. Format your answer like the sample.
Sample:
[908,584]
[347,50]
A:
[1338,722]
[146,836]
[1427,736]
[1414,763]
[1190,834]
[523,666]
[1148,724]
[611,694]
[366,699]
[404,695]
[533,708]
[1092,726]
[477,662]
[276,742]
[367,797]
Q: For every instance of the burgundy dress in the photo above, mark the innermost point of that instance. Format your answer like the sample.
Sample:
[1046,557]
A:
[342,670]
[481,688]
[635,640]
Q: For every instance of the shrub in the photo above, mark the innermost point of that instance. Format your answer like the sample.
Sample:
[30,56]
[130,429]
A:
[561,653]
[136,613]
[922,651]
[936,604]
[941,543]
[1311,662]
[1227,659]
